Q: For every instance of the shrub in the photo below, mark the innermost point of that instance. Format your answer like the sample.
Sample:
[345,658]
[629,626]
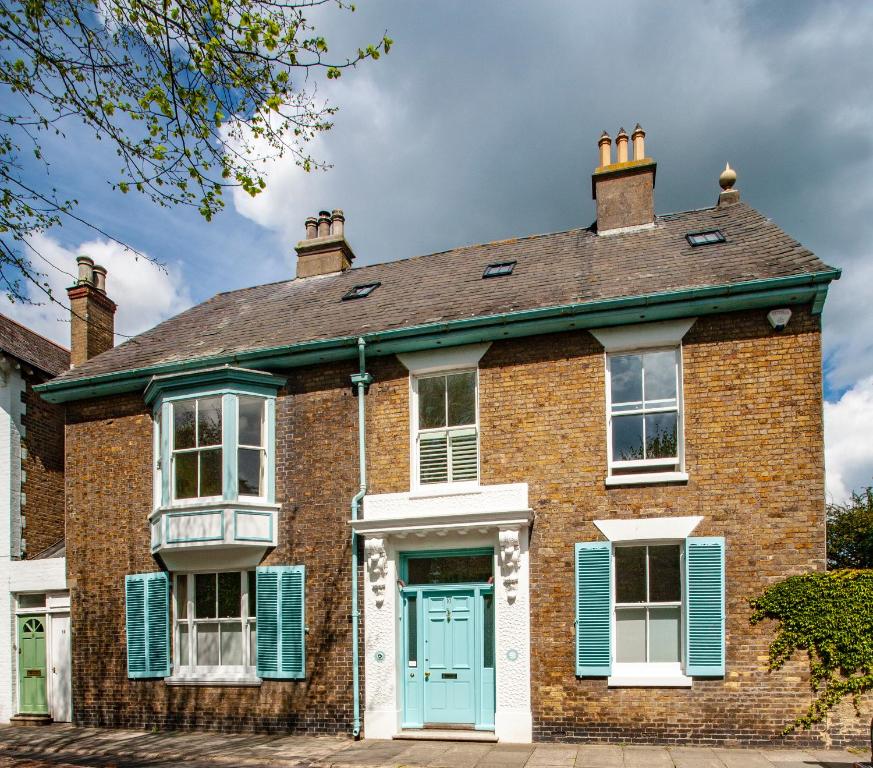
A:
[830,616]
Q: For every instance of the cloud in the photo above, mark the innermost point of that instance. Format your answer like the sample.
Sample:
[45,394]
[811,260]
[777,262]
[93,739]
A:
[145,294]
[292,194]
[848,443]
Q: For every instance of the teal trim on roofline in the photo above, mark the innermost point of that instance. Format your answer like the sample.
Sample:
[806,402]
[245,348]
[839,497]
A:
[753,294]
[221,377]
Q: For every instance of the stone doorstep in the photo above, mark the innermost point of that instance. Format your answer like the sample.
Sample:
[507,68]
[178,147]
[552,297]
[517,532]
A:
[434,734]
[31,720]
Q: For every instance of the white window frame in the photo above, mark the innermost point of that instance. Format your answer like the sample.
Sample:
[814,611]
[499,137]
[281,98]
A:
[266,464]
[222,672]
[668,469]
[648,674]
[415,434]
[174,452]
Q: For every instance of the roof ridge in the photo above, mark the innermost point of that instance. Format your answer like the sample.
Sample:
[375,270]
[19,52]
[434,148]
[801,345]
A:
[519,238]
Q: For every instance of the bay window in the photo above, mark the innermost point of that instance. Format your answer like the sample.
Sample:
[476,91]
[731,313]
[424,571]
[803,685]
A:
[215,465]
[446,428]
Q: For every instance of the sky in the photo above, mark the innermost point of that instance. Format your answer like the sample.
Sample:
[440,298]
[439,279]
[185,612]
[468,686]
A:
[482,124]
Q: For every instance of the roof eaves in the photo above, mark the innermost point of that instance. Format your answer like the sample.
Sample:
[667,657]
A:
[607,311]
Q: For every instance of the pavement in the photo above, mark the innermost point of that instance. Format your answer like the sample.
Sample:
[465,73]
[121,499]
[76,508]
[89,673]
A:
[66,746]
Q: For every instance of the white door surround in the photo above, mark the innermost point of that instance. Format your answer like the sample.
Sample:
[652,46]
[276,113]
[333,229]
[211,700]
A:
[497,517]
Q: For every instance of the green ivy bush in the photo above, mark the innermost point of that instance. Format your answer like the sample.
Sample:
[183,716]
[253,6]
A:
[830,616]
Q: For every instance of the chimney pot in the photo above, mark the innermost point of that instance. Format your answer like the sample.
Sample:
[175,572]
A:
[639,139]
[337,221]
[100,278]
[86,266]
[621,146]
[323,223]
[311,224]
[605,146]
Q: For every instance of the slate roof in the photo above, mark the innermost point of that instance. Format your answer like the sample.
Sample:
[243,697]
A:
[552,270]
[31,348]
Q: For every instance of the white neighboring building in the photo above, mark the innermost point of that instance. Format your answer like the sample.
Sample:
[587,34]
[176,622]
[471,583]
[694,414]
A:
[34,600]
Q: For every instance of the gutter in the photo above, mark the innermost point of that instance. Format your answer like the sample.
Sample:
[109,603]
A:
[795,289]
[361,380]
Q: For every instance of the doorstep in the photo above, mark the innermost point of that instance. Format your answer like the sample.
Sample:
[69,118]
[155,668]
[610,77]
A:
[448,734]
[32,720]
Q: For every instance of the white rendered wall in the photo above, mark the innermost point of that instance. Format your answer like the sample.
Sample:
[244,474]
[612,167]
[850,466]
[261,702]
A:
[11,408]
[383,702]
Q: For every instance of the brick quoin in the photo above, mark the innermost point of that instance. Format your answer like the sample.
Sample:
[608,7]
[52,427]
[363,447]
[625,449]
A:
[753,433]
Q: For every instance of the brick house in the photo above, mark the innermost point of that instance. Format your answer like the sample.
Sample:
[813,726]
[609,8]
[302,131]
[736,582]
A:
[520,490]
[34,601]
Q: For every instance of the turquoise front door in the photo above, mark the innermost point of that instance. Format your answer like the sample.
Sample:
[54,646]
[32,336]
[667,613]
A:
[450,657]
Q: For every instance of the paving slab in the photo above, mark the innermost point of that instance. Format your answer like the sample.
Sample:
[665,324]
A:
[781,756]
[552,755]
[647,757]
[695,757]
[742,758]
[839,758]
[599,756]
[465,755]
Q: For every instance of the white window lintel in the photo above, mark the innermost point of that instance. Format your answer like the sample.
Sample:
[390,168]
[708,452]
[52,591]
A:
[447,359]
[664,333]
[649,529]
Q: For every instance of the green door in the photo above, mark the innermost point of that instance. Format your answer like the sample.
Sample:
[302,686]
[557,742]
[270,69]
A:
[450,658]
[32,665]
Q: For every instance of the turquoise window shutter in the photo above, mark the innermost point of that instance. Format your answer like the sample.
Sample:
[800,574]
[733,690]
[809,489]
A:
[147,614]
[705,609]
[281,621]
[594,609]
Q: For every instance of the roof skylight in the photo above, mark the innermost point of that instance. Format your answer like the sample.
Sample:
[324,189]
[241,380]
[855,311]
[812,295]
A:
[361,291]
[705,238]
[499,269]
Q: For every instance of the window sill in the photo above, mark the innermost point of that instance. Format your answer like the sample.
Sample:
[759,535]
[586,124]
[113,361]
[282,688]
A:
[647,478]
[648,681]
[453,489]
[241,681]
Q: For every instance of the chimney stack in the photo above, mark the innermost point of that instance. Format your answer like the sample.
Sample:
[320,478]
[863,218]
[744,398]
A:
[624,190]
[92,313]
[325,249]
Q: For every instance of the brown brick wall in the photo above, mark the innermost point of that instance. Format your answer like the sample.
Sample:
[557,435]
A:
[109,487]
[43,464]
[753,453]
